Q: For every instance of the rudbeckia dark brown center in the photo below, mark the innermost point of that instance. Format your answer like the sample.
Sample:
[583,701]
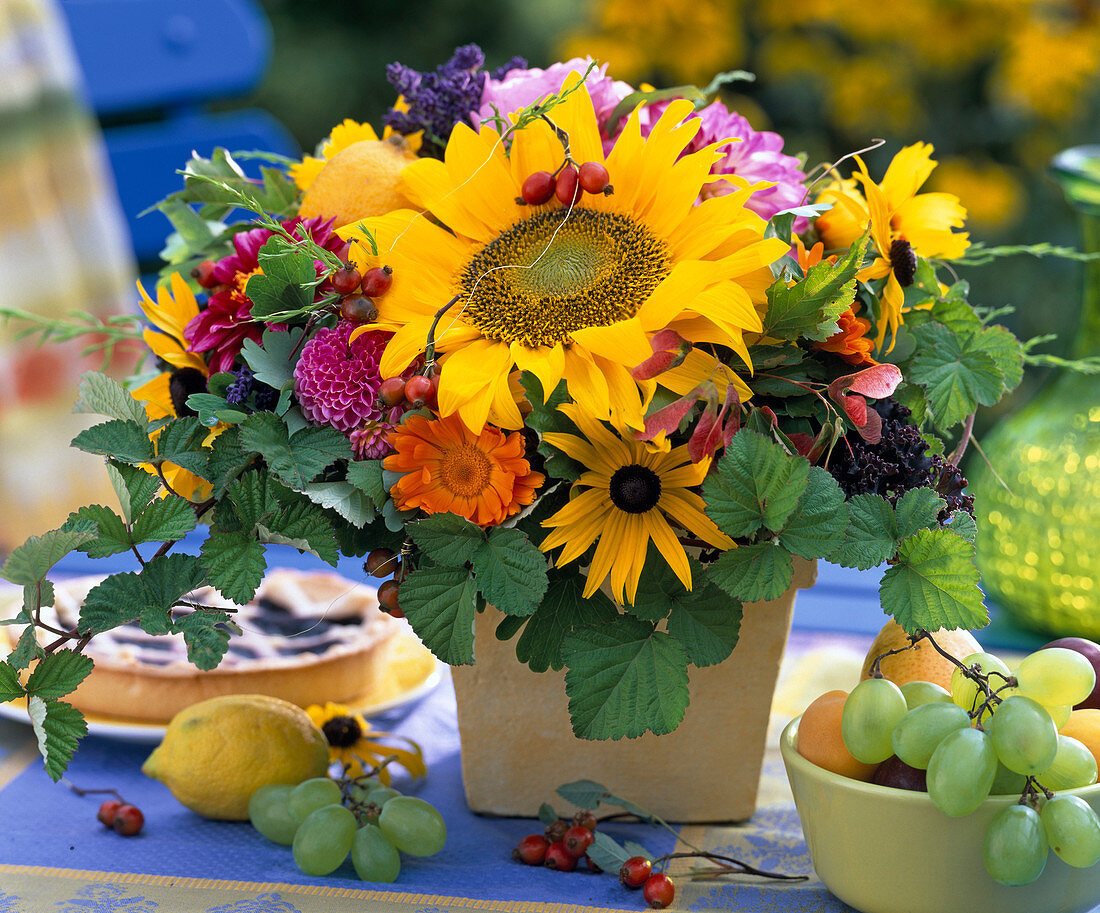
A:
[181,384]
[342,731]
[635,489]
[550,274]
[903,260]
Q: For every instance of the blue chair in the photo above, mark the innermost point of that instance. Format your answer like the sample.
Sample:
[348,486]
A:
[150,68]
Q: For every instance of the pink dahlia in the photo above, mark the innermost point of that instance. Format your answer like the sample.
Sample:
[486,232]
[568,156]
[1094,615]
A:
[226,322]
[337,381]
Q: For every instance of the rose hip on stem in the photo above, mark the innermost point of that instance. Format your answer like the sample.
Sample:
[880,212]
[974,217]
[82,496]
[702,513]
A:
[577,840]
[557,857]
[658,890]
[538,188]
[128,820]
[531,850]
[634,872]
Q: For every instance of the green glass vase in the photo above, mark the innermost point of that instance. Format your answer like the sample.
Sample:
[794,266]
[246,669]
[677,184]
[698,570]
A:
[1039,540]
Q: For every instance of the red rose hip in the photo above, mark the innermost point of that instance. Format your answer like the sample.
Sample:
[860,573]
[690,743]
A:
[346,279]
[538,188]
[377,281]
[658,891]
[392,391]
[107,810]
[417,389]
[577,840]
[128,820]
[557,857]
[634,872]
[594,177]
[568,188]
[531,850]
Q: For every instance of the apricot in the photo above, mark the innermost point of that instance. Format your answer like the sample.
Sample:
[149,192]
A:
[921,663]
[1084,725]
[820,742]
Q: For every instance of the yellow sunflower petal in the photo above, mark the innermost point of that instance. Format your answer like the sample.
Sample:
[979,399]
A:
[904,176]
[668,545]
[686,508]
[462,382]
[547,363]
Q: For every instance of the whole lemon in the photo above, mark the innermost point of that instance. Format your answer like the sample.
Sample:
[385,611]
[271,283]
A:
[360,181]
[216,753]
[921,663]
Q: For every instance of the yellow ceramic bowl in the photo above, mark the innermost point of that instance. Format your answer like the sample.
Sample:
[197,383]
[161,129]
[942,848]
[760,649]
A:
[884,850]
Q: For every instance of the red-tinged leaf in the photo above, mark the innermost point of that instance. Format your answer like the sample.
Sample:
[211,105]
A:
[669,351]
[877,382]
[802,441]
[871,432]
[856,409]
[666,339]
[706,437]
[771,417]
[732,424]
[666,419]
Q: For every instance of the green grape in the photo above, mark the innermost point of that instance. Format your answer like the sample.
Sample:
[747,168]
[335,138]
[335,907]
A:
[961,771]
[1074,766]
[870,714]
[1015,846]
[1073,830]
[324,839]
[268,812]
[413,826]
[919,693]
[312,794]
[923,728]
[360,789]
[964,691]
[1024,735]
[374,857]
[1059,713]
[382,795]
[1056,676]
[1007,782]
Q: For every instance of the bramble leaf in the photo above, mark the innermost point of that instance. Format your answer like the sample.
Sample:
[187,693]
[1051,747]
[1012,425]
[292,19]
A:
[918,508]
[510,572]
[10,687]
[448,539]
[234,564]
[441,604]
[366,475]
[870,538]
[31,562]
[112,535]
[286,281]
[121,440]
[206,636]
[58,727]
[101,394]
[956,374]
[295,458]
[817,525]
[58,674]
[164,520]
[754,573]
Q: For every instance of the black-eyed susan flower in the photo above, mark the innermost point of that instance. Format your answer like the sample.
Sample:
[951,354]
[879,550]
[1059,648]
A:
[572,293]
[628,497]
[355,745]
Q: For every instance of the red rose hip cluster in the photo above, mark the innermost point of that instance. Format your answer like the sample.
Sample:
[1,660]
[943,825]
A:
[569,183]
[124,818]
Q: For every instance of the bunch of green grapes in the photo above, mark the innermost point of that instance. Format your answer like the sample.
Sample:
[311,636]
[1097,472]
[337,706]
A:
[323,820]
[994,733]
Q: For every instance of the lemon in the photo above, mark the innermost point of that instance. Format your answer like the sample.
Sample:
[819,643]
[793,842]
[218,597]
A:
[360,181]
[218,752]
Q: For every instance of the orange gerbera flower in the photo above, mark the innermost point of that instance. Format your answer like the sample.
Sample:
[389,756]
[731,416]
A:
[450,469]
[851,342]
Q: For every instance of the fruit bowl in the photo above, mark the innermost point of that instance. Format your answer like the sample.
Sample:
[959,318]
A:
[884,850]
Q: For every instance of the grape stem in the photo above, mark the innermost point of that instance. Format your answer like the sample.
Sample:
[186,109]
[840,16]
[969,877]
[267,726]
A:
[732,866]
[88,792]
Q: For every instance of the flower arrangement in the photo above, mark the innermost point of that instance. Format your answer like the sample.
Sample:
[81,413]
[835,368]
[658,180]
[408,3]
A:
[604,358]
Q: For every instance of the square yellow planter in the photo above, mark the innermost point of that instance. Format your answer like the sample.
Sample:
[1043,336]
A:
[518,745]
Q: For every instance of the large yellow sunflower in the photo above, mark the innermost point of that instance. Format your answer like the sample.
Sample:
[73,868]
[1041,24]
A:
[903,222]
[170,314]
[565,293]
[625,499]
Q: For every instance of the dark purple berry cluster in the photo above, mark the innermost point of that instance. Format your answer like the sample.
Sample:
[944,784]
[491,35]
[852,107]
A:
[897,464]
[237,393]
[439,100]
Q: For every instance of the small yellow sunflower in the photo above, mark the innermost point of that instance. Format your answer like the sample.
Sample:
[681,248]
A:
[354,744]
[624,500]
[572,293]
[903,223]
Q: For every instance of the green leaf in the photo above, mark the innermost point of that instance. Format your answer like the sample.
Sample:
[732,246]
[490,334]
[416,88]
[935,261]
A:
[754,573]
[103,395]
[707,622]
[440,604]
[347,500]
[809,309]
[302,526]
[165,520]
[366,475]
[121,440]
[870,538]
[117,600]
[286,284]
[956,374]
[112,535]
[448,539]
[10,687]
[27,649]
[135,487]
[817,525]
[234,564]
[31,562]
[272,360]
[918,508]
[962,524]
[607,853]
[298,458]
[755,485]
[545,417]
[563,609]
[584,793]
[1006,352]
[58,674]
[934,584]
[180,442]
[58,727]
[510,572]
[206,636]
[252,498]
[168,578]
[624,678]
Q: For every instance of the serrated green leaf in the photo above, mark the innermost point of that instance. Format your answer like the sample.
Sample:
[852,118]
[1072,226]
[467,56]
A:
[934,584]
[10,686]
[510,572]
[252,498]
[347,500]
[563,609]
[584,793]
[112,535]
[272,360]
[180,443]
[816,527]
[440,604]
[234,564]
[101,394]
[206,636]
[164,520]
[962,524]
[912,397]
[707,622]
[1006,352]
[31,562]
[121,440]
[168,578]
[546,417]
[366,475]
[134,486]
[27,649]
[547,815]
[917,509]
[755,484]
[754,573]
[298,458]
[281,287]
[870,538]
[226,460]
[448,539]
[58,674]
[302,526]
[624,678]
[956,374]
[956,314]
[607,853]
[58,727]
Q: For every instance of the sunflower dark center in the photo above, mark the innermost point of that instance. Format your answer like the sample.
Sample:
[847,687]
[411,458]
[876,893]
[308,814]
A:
[903,259]
[342,731]
[182,382]
[635,489]
[551,274]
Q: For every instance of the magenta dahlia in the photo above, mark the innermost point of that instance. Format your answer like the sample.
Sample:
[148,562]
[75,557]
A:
[226,322]
[337,381]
